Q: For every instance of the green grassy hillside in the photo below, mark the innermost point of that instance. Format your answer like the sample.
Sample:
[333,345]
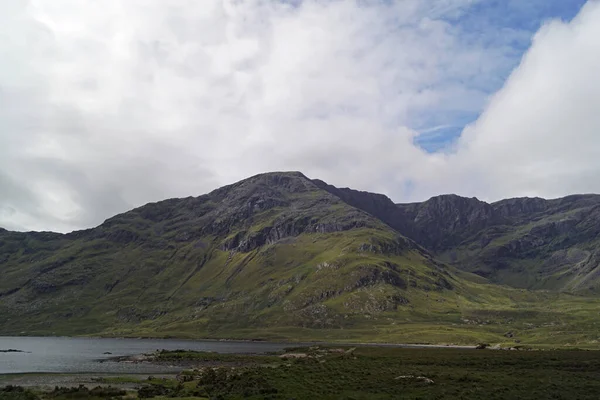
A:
[273,250]
[276,256]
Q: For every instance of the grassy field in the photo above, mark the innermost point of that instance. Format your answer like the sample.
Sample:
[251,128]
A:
[473,313]
[360,373]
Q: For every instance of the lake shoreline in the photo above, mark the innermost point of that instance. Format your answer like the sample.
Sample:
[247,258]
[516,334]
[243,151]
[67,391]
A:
[277,342]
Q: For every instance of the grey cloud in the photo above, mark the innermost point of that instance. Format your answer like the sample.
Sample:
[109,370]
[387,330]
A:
[113,104]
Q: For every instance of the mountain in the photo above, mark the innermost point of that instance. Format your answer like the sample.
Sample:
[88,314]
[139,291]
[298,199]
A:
[523,242]
[281,256]
[272,249]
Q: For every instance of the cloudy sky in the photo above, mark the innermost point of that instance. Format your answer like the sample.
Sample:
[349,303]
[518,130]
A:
[107,105]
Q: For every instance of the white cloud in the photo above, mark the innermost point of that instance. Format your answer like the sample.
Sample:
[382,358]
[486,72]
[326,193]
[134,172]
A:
[540,134]
[108,105]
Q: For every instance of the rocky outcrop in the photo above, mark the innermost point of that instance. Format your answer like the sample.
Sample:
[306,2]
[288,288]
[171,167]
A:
[378,205]
[445,221]
[520,207]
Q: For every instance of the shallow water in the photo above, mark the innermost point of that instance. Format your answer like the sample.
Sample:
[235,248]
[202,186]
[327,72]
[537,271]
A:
[80,355]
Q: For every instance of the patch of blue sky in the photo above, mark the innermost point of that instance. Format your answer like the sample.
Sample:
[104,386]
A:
[508,25]
[441,137]
[526,15]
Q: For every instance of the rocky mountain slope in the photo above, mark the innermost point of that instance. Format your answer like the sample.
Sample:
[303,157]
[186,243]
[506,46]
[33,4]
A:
[524,242]
[281,256]
[272,249]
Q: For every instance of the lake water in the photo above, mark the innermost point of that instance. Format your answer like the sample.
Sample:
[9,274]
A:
[81,355]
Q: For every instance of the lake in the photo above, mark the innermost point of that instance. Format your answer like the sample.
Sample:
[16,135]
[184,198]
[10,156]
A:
[81,355]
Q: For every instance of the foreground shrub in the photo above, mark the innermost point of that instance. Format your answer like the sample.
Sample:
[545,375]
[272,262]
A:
[16,393]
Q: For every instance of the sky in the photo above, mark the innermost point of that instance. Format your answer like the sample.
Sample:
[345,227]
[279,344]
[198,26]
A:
[106,106]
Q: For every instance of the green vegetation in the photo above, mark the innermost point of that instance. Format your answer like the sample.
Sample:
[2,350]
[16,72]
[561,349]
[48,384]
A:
[369,373]
[150,380]
[281,257]
[63,393]
[16,393]
[203,356]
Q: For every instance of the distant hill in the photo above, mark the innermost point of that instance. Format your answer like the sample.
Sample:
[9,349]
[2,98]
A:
[280,256]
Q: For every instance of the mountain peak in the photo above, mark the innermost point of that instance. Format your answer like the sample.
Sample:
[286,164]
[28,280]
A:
[293,181]
[275,177]
[451,197]
[296,174]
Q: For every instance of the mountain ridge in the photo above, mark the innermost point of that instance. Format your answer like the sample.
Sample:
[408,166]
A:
[441,224]
[279,252]
[495,204]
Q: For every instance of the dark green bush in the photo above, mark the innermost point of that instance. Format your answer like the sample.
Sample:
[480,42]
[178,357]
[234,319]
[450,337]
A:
[82,392]
[16,393]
